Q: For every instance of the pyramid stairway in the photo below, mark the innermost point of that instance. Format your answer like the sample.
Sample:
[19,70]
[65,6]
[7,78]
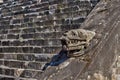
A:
[30,31]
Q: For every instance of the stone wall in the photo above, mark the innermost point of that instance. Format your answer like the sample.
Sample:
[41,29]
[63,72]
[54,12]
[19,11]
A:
[103,55]
[30,31]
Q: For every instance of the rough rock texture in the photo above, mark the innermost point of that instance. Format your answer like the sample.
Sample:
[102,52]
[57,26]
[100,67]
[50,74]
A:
[30,31]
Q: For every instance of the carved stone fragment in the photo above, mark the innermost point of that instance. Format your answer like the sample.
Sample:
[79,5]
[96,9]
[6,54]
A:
[77,40]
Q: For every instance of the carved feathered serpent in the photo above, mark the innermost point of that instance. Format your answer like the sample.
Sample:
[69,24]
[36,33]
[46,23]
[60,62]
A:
[77,41]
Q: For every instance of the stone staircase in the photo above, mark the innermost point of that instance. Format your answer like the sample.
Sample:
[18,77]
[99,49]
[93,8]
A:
[30,31]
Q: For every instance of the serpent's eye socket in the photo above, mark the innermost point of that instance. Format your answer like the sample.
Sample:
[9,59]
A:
[68,42]
[74,34]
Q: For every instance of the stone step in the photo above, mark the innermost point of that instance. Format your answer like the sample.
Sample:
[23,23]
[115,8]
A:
[41,35]
[35,28]
[66,4]
[42,17]
[3,31]
[57,29]
[6,77]
[19,73]
[21,64]
[6,67]
[11,4]
[6,18]
[43,4]
[21,10]
[31,42]
[27,57]
[27,34]
[28,49]
[63,22]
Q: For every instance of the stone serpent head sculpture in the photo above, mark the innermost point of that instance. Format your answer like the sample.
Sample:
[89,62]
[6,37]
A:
[77,40]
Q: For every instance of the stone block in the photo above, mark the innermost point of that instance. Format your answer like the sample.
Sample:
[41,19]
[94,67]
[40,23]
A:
[29,30]
[9,72]
[10,56]
[38,42]
[28,74]
[42,58]
[27,3]
[2,31]
[4,10]
[24,43]
[6,18]
[5,23]
[39,23]
[25,57]
[6,78]
[52,35]
[1,62]
[1,71]
[27,49]
[49,22]
[70,9]
[53,2]
[16,21]
[14,64]
[44,8]
[15,31]
[27,36]
[1,49]
[6,49]
[38,50]
[16,8]
[11,49]
[15,43]
[18,12]
[50,50]
[2,36]
[52,42]
[27,20]
[1,56]
[30,25]
[5,43]
[34,65]
[23,65]
[13,36]
[12,26]
[69,27]
[44,4]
